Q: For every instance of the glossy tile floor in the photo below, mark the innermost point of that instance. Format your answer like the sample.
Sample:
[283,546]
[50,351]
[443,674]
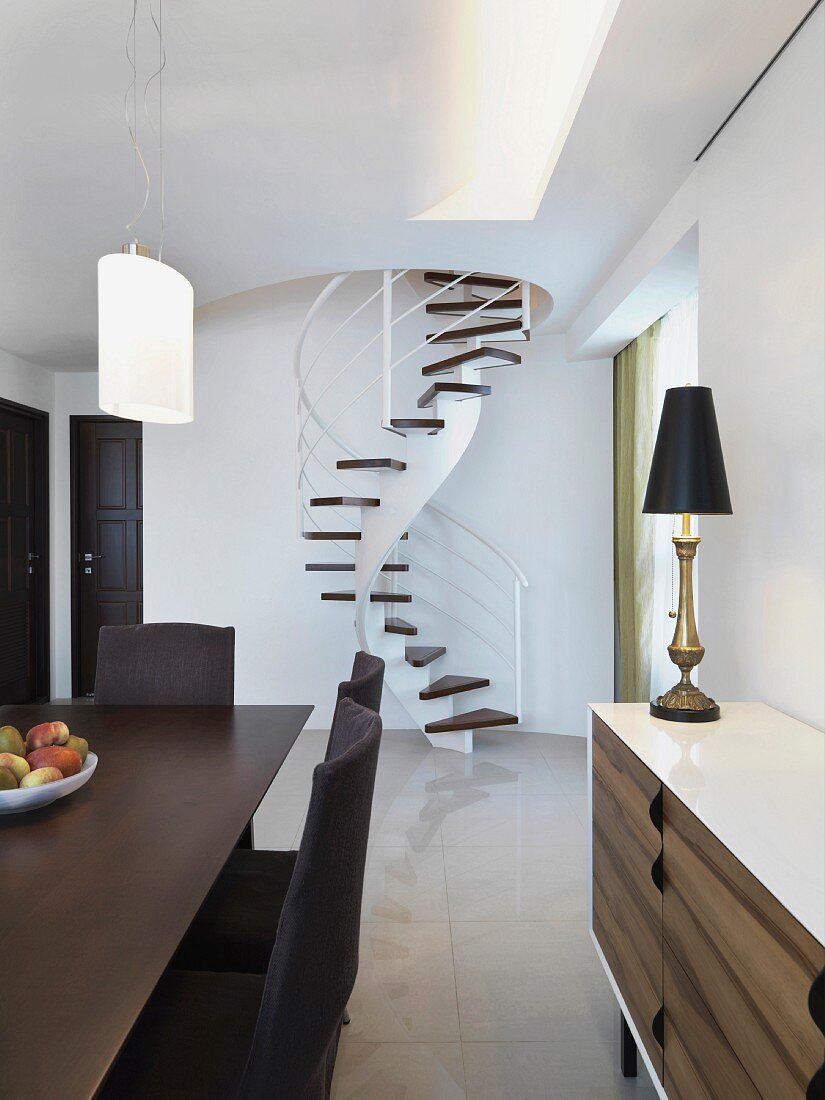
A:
[477,978]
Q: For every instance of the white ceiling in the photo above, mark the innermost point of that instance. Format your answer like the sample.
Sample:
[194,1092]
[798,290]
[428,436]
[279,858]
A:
[305,138]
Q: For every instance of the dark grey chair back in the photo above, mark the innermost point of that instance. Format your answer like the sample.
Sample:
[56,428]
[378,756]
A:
[366,682]
[365,688]
[165,664]
[315,959]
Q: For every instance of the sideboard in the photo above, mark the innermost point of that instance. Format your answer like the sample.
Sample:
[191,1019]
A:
[707,899]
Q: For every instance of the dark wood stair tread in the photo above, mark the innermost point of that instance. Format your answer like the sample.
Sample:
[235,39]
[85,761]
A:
[473,719]
[450,336]
[442,366]
[375,597]
[452,685]
[400,626]
[344,502]
[479,304]
[349,567]
[432,426]
[420,655]
[371,464]
[468,389]
[443,278]
[333,536]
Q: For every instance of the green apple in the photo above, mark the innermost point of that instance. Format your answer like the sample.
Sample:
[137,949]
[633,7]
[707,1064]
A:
[16,765]
[11,741]
[7,780]
[79,745]
[40,776]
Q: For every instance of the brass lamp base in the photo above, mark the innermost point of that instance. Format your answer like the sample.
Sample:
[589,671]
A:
[685,702]
[711,713]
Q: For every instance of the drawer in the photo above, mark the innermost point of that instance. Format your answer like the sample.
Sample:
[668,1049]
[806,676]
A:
[633,786]
[699,1064]
[749,961]
[627,904]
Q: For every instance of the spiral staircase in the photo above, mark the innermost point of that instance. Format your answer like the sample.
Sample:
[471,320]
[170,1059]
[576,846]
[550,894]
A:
[369,524]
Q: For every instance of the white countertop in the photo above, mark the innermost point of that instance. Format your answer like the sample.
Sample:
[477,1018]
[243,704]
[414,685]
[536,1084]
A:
[756,779]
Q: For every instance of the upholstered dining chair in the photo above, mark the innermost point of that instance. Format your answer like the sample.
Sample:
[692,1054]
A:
[215,1036]
[366,681]
[164,664]
[236,925]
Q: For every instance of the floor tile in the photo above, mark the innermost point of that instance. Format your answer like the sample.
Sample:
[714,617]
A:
[493,775]
[398,1071]
[531,981]
[402,885]
[279,817]
[407,821]
[543,820]
[405,990]
[403,774]
[496,883]
[549,1071]
[570,773]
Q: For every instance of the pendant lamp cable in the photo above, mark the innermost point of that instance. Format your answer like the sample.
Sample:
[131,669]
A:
[132,119]
[158,132]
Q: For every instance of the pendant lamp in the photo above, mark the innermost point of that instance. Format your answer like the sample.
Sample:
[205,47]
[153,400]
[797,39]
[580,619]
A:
[145,312]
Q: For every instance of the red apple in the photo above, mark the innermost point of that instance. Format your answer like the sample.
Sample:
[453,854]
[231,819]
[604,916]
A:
[55,756]
[47,733]
[40,776]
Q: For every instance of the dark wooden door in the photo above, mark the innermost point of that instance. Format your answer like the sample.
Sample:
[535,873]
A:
[108,535]
[24,566]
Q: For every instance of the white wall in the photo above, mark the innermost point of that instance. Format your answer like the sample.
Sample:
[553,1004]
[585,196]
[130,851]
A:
[537,479]
[762,349]
[220,541]
[61,395]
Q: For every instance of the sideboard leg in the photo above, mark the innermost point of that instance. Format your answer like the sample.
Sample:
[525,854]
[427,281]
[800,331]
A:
[630,1055]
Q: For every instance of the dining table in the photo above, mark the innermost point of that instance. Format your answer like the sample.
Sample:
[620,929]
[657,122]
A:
[98,889]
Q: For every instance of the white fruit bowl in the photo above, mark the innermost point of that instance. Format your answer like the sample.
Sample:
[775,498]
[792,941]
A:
[32,798]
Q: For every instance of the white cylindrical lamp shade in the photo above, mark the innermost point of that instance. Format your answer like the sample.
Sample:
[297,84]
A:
[145,317]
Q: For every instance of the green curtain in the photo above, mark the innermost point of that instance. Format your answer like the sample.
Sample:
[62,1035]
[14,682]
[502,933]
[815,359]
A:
[633,532]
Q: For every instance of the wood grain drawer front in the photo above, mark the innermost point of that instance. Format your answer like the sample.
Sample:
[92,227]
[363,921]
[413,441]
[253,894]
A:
[748,959]
[699,1064]
[627,905]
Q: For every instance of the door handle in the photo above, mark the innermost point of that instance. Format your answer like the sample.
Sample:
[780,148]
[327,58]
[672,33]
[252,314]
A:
[90,557]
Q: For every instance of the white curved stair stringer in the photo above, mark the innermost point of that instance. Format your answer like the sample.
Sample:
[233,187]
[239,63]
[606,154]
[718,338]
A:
[430,459]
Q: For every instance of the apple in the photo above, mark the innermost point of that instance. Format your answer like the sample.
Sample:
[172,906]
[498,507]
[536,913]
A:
[11,741]
[16,764]
[8,782]
[47,733]
[55,756]
[39,776]
[79,745]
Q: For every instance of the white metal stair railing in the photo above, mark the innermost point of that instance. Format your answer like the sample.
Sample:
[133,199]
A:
[405,498]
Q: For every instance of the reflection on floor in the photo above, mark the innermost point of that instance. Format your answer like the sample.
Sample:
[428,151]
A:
[477,977]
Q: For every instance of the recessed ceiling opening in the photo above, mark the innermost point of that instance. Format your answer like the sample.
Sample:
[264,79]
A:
[533,61]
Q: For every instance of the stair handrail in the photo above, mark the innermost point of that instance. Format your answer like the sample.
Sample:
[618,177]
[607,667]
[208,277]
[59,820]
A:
[382,376]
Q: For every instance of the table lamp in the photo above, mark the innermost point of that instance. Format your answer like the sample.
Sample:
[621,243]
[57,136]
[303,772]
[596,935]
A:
[687,477]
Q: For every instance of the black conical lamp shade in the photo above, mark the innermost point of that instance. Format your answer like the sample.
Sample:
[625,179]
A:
[687,473]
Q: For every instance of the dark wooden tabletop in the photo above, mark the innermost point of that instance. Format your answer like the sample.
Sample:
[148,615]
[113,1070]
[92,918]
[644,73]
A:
[97,890]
